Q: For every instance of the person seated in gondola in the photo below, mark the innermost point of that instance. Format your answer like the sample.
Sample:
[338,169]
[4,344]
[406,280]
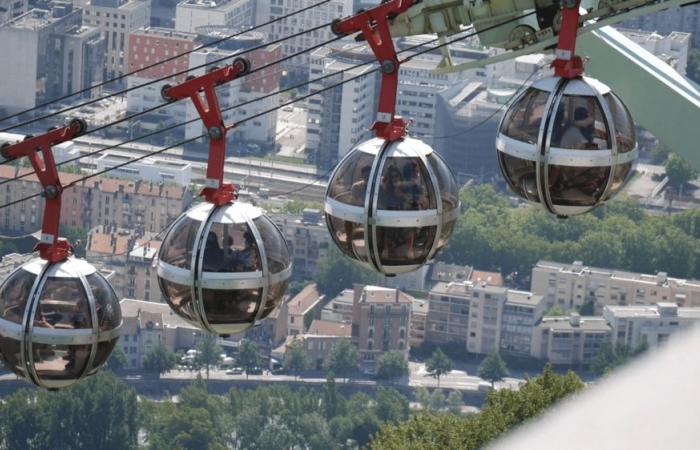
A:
[246,259]
[213,254]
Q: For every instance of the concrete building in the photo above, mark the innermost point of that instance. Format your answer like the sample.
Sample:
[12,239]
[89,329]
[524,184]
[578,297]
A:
[141,276]
[11,261]
[9,9]
[685,19]
[51,55]
[191,15]
[142,206]
[650,325]
[268,10]
[672,48]
[340,308]
[146,324]
[570,286]
[339,118]
[419,322]
[153,169]
[570,341]
[307,238]
[116,19]
[486,312]
[381,321]
[448,313]
[318,341]
[298,312]
[521,313]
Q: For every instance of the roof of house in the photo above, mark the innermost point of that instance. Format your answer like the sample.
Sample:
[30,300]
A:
[328,328]
[377,294]
[491,278]
[108,244]
[134,308]
[305,300]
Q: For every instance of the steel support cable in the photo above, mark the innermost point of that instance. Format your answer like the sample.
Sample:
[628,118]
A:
[163,61]
[262,113]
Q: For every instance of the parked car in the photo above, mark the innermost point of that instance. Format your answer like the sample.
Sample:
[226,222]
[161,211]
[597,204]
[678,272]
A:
[255,371]
[234,371]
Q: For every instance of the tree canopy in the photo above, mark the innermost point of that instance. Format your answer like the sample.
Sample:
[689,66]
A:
[504,409]
[337,272]
[208,353]
[493,368]
[492,235]
[159,359]
[343,359]
[693,69]
[679,171]
[438,365]
[392,365]
[296,359]
[248,357]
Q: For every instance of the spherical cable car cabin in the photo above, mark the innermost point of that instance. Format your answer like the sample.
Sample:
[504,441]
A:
[59,317]
[556,146]
[567,142]
[392,205]
[59,321]
[223,264]
[223,268]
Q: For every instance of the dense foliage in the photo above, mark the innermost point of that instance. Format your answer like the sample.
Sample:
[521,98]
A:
[493,235]
[504,409]
[693,69]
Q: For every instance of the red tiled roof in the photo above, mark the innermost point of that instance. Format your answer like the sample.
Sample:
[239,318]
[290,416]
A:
[328,328]
[490,278]
[304,300]
[103,243]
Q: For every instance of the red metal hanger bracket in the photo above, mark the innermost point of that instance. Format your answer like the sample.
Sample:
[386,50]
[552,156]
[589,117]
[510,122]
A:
[215,191]
[568,64]
[39,151]
[373,23]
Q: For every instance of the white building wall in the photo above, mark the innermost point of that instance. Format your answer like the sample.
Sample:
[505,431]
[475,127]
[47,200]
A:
[18,48]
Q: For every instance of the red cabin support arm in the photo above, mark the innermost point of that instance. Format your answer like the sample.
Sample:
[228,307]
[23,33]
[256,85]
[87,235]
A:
[568,64]
[39,151]
[374,26]
[215,191]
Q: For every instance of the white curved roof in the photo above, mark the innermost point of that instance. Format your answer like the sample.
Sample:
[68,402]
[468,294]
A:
[403,148]
[235,212]
[577,86]
[66,269]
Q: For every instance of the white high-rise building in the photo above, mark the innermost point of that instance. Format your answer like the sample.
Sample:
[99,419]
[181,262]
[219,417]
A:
[191,15]
[267,10]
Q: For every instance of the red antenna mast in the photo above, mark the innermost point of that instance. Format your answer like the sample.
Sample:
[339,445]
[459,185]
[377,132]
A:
[568,64]
[374,26]
[215,191]
[39,150]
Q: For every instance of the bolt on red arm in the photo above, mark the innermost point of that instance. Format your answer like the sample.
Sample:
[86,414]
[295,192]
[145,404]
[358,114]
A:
[568,64]
[215,191]
[38,149]
[374,26]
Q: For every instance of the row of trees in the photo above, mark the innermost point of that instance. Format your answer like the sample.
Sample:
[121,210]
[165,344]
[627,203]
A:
[103,412]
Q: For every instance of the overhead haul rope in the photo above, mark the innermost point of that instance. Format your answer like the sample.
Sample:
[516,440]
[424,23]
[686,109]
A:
[262,113]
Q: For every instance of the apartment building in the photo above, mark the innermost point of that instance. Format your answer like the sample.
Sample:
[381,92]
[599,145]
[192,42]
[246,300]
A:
[570,341]
[448,313]
[51,53]
[318,341]
[485,315]
[145,324]
[9,9]
[152,169]
[141,276]
[339,118]
[381,321]
[298,312]
[192,15]
[672,48]
[116,19]
[340,308]
[419,316]
[307,238]
[571,286]
[267,10]
[685,19]
[652,325]
[521,313]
